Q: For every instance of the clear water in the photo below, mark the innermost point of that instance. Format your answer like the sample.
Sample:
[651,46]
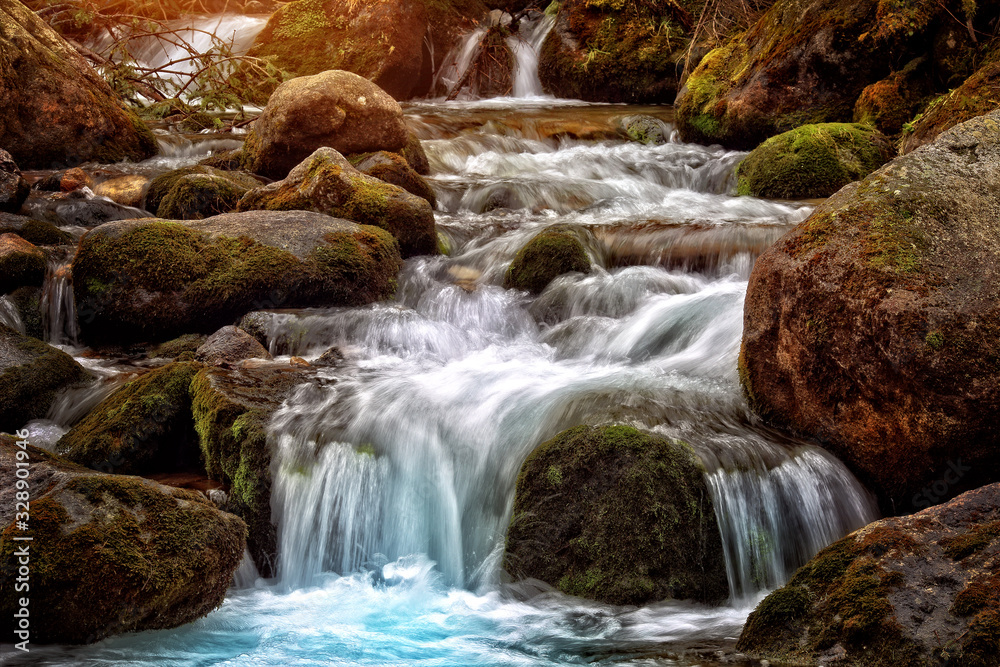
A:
[394,482]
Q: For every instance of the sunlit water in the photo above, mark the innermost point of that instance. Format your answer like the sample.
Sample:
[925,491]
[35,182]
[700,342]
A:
[393,484]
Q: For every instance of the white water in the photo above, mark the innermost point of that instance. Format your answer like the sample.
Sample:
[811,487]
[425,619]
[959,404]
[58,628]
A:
[58,305]
[10,316]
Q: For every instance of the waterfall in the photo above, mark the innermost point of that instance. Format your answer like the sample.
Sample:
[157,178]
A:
[58,305]
[10,316]
[526,46]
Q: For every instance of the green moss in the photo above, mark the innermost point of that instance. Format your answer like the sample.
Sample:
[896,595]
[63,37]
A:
[38,232]
[972,541]
[935,339]
[549,254]
[199,196]
[172,349]
[29,304]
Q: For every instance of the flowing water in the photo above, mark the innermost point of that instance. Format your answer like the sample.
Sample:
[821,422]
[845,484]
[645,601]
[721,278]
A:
[394,482]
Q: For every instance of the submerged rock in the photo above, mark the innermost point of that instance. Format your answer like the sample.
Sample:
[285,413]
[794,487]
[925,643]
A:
[616,515]
[155,279]
[336,109]
[549,254]
[812,161]
[13,188]
[111,554]
[31,373]
[327,183]
[874,326]
[83,118]
[916,590]
[229,345]
[144,427]
[21,264]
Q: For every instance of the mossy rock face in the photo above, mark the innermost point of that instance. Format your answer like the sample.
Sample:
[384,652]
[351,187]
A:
[31,373]
[21,264]
[182,348]
[616,515]
[414,153]
[112,554]
[887,105]
[549,254]
[150,280]
[393,168]
[28,301]
[812,161]
[326,182]
[381,41]
[874,325]
[195,193]
[13,188]
[644,129]
[84,120]
[143,428]
[33,231]
[901,592]
[613,51]
[803,62]
[226,160]
[231,411]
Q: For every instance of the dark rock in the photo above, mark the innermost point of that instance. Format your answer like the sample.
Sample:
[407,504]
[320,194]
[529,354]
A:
[13,188]
[33,231]
[336,109]
[393,168]
[80,208]
[874,326]
[226,160]
[65,181]
[28,301]
[229,345]
[616,515]
[549,254]
[414,153]
[111,554]
[327,183]
[917,590]
[21,264]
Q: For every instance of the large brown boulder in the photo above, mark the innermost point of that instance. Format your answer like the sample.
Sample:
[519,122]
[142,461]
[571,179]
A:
[55,110]
[145,280]
[337,109]
[874,326]
[326,182]
[109,554]
[907,592]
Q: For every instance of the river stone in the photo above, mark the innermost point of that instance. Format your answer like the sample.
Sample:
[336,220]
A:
[337,109]
[327,183]
[33,231]
[416,156]
[900,591]
[31,373]
[549,254]
[126,190]
[189,193]
[55,109]
[155,279]
[229,345]
[111,554]
[80,208]
[21,264]
[13,188]
[617,515]
[874,325]
[143,427]
[393,168]
[812,161]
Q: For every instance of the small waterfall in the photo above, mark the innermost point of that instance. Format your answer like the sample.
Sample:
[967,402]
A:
[58,305]
[526,47]
[10,315]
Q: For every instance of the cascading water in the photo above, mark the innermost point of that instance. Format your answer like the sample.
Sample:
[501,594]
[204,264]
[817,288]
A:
[394,479]
[58,305]
[10,315]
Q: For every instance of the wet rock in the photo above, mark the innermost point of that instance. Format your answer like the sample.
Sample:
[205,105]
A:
[112,554]
[13,188]
[182,348]
[83,120]
[65,181]
[382,42]
[393,168]
[124,190]
[331,358]
[812,161]
[33,231]
[616,515]
[195,193]
[225,160]
[155,279]
[80,208]
[327,183]
[645,129]
[31,373]
[143,427]
[21,264]
[28,301]
[549,254]
[414,153]
[874,326]
[336,109]
[901,591]
[231,410]
[889,104]
[229,345]
[256,324]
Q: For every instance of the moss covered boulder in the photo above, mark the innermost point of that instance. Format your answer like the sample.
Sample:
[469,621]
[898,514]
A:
[326,182]
[13,188]
[55,109]
[231,410]
[150,280]
[616,515]
[549,254]
[395,169]
[195,193]
[21,264]
[31,373]
[144,427]
[380,41]
[110,554]
[33,231]
[337,109]
[874,325]
[902,592]
[812,161]
[415,155]
[888,105]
